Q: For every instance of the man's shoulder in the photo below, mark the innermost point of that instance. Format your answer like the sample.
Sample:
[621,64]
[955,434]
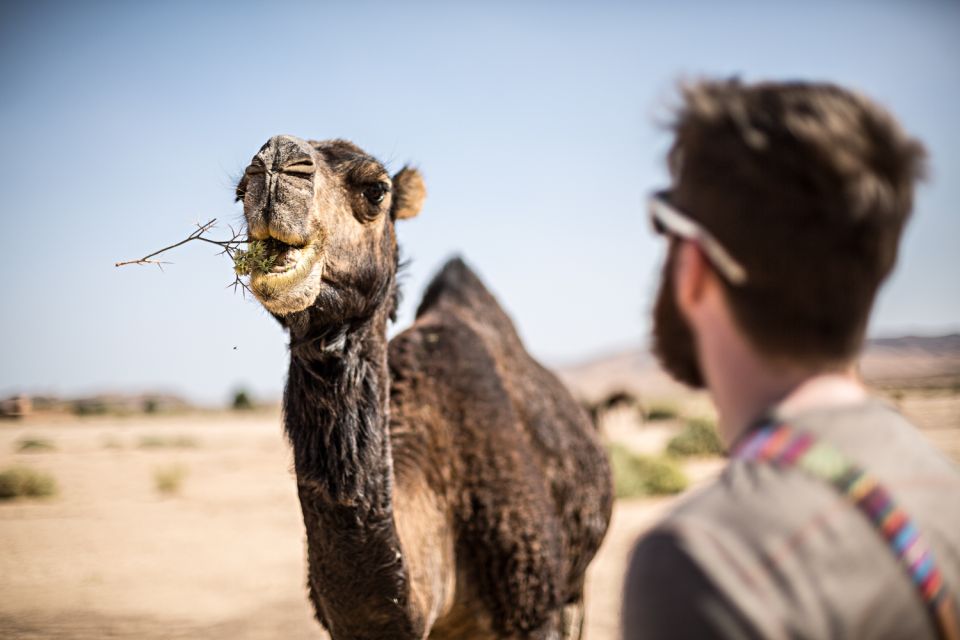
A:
[771,538]
[734,542]
[756,497]
[763,506]
[749,499]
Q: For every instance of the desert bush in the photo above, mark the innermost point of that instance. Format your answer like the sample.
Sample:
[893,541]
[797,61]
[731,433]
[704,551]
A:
[637,475]
[89,408]
[661,411]
[168,480]
[35,445]
[698,438]
[897,396]
[168,442]
[18,482]
[241,401]
[112,442]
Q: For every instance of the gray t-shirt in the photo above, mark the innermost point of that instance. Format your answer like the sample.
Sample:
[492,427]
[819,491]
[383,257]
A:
[776,553]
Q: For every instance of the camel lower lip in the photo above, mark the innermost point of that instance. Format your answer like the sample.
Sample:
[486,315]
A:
[294,264]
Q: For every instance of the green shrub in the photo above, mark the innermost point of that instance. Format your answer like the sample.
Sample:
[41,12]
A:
[698,438]
[637,475]
[36,445]
[89,408]
[169,479]
[168,442]
[661,411]
[255,259]
[241,401]
[18,482]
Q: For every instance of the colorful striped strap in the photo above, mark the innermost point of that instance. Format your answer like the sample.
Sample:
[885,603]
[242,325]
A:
[785,447]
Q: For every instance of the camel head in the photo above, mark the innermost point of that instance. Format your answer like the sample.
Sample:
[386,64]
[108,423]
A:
[323,213]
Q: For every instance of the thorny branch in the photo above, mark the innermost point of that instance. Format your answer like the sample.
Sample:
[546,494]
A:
[232,247]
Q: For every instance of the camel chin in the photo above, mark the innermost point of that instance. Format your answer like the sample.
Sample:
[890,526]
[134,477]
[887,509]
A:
[293,285]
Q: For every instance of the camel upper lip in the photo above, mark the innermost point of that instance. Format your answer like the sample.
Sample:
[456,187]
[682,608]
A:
[275,244]
[271,238]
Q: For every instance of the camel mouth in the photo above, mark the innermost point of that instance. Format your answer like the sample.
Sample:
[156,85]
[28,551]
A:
[284,257]
[288,266]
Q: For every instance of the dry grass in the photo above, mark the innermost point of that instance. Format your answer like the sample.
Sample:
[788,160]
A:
[169,479]
[168,442]
[111,442]
[35,445]
[24,482]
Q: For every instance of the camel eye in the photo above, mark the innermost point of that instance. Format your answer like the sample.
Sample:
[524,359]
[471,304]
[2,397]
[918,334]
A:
[375,193]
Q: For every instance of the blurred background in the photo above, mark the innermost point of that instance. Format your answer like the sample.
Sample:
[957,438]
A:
[537,126]
[149,482]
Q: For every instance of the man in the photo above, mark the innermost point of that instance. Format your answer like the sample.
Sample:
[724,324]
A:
[835,518]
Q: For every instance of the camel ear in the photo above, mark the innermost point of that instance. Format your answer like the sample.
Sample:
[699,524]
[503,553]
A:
[409,193]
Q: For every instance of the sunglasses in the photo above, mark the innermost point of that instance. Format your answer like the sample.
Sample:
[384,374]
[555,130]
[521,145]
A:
[668,220]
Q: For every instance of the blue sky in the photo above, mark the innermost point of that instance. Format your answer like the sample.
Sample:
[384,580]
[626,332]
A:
[535,124]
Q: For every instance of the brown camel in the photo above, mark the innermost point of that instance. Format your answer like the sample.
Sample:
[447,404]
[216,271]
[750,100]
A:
[450,486]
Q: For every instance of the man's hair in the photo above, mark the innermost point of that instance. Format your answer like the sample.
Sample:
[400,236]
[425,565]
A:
[808,186]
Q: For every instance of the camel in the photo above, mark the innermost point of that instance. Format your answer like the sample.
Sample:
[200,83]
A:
[620,399]
[450,486]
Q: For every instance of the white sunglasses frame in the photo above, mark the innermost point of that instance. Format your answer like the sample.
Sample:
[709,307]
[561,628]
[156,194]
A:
[666,218]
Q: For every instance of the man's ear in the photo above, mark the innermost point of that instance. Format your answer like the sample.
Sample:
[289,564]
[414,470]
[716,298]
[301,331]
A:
[691,274]
[409,193]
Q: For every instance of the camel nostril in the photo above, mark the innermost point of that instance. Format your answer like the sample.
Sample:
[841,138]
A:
[302,167]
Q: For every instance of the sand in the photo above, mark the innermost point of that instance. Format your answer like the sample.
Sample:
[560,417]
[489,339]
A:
[110,557]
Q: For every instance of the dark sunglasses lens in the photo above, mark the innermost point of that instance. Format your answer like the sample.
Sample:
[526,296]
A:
[658,226]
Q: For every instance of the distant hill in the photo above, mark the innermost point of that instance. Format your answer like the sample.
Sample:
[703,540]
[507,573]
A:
[948,344]
[912,361]
[903,362]
[104,404]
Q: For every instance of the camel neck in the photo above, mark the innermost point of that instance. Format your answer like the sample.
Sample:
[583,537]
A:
[335,414]
[335,409]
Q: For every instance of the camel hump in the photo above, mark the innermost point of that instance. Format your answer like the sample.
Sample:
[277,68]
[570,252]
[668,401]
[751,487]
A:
[459,286]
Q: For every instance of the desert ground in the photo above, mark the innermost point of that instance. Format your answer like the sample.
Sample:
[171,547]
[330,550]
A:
[111,556]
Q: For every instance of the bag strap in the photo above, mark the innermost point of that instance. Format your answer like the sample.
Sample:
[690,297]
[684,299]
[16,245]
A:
[781,445]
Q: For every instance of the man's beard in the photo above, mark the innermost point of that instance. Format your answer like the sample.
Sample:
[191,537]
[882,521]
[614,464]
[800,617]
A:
[673,341]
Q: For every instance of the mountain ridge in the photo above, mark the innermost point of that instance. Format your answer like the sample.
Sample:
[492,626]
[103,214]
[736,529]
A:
[909,361]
